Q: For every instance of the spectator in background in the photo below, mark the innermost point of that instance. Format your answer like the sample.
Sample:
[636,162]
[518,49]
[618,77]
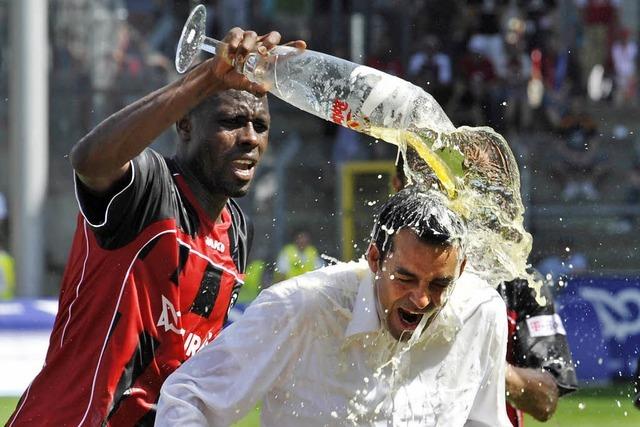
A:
[580,164]
[624,53]
[4,216]
[297,257]
[474,87]
[7,275]
[7,269]
[539,17]
[253,282]
[599,18]
[518,112]
[487,34]
[561,76]
[430,68]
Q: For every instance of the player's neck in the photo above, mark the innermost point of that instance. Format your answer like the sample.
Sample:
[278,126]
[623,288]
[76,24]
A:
[210,202]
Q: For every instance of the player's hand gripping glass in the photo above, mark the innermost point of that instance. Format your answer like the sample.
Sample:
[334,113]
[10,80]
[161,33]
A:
[193,40]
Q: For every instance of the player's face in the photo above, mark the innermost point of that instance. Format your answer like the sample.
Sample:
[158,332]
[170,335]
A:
[412,281]
[229,141]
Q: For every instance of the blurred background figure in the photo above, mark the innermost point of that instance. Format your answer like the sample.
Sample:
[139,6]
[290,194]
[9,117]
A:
[624,53]
[7,273]
[297,257]
[600,18]
[581,162]
[430,67]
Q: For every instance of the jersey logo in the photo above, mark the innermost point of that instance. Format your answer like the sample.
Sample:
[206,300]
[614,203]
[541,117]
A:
[194,343]
[545,325]
[169,317]
[214,244]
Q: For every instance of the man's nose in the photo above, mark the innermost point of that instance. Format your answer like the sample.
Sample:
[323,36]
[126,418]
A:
[248,134]
[420,298]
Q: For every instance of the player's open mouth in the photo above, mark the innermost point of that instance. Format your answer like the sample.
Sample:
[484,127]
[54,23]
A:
[409,319]
[244,168]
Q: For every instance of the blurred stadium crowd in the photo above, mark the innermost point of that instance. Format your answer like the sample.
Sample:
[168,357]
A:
[558,78]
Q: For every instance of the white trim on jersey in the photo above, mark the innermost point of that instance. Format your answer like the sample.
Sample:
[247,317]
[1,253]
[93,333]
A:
[24,400]
[106,212]
[206,258]
[115,311]
[84,266]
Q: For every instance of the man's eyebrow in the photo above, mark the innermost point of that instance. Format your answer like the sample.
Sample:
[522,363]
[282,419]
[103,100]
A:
[403,271]
[443,281]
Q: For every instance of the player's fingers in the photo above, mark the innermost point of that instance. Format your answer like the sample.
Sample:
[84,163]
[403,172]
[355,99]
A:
[298,44]
[238,81]
[233,40]
[270,40]
[248,44]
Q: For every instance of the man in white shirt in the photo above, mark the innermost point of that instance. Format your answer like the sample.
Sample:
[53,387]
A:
[400,338]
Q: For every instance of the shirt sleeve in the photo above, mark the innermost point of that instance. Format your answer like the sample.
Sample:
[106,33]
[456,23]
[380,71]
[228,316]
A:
[145,194]
[221,383]
[489,406]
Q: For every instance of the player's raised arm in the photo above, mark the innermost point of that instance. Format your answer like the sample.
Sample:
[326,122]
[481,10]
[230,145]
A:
[102,156]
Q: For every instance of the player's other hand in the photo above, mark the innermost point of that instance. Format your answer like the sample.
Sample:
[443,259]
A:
[239,44]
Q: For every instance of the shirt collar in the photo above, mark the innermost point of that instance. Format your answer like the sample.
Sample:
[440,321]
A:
[364,315]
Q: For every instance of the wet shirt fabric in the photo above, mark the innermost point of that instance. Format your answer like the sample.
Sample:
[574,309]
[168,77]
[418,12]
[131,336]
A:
[312,348]
[537,338]
[149,281]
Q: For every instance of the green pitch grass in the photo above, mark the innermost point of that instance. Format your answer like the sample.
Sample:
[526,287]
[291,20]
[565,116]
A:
[590,407]
[595,407]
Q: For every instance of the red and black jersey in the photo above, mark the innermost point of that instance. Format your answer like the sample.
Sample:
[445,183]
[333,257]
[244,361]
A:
[537,338]
[149,281]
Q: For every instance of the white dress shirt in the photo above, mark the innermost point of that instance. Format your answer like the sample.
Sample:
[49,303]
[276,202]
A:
[313,350]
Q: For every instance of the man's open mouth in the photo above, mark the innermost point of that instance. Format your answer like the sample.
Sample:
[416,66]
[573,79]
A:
[244,168]
[408,318]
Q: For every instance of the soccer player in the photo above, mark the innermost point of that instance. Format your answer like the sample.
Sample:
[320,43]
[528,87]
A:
[540,368]
[345,345]
[160,246]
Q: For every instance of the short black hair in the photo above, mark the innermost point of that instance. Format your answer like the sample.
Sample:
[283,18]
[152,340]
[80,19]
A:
[422,210]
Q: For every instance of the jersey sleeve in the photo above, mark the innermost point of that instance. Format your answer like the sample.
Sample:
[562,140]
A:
[143,195]
[541,340]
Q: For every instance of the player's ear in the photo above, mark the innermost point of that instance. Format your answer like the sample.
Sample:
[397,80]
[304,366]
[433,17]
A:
[373,257]
[183,127]
[396,183]
[462,266]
